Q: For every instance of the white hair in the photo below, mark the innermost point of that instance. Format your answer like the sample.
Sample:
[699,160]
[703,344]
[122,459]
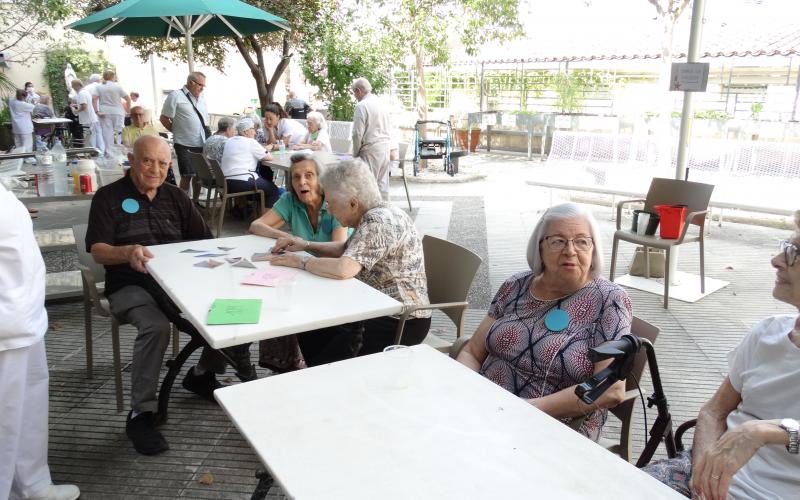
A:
[243,125]
[351,179]
[362,84]
[316,117]
[565,211]
[94,77]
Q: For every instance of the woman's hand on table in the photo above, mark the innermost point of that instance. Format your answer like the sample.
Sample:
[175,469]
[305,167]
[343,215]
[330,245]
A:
[292,244]
[287,260]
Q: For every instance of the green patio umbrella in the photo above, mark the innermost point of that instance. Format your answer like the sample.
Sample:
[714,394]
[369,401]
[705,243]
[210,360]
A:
[180,18]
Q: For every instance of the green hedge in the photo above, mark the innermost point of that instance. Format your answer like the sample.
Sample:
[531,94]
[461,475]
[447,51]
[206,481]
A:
[83,62]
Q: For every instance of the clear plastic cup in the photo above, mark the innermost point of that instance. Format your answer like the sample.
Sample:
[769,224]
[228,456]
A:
[286,293]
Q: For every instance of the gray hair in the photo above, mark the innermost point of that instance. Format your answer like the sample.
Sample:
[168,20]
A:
[295,160]
[224,123]
[194,75]
[243,125]
[351,179]
[362,84]
[94,77]
[565,211]
[316,117]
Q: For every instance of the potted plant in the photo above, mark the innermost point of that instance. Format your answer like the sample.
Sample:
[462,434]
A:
[462,136]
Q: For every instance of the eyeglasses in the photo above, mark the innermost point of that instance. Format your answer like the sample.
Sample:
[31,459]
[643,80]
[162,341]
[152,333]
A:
[789,250]
[202,85]
[557,243]
[137,114]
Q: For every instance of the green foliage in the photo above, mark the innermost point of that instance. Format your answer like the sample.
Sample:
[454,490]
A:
[571,89]
[755,110]
[5,114]
[84,63]
[27,25]
[339,53]
[711,114]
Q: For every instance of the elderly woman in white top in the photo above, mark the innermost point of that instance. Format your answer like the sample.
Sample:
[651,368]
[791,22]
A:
[318,138]
[240,163]
[384,251]
[108,105]
[281,127]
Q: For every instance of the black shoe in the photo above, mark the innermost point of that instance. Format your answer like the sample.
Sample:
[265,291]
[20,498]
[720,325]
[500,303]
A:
[202,385]
[143,434]
[247,373]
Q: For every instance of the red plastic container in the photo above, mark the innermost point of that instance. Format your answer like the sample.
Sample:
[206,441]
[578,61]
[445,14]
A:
[672,220]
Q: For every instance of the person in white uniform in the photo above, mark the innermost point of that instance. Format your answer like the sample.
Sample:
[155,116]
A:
[109,108]
[21,124]
[24,473]
[746,441]
[371,133]
[86,115]
[91,89]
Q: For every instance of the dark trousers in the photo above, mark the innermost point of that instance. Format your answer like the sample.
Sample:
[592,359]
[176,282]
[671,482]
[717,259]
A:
[271,193]
[336,343]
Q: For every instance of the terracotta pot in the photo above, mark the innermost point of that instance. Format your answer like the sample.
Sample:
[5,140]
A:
[475,135]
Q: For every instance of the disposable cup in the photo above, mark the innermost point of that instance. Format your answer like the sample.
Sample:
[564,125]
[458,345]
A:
[285,289]
[641,225]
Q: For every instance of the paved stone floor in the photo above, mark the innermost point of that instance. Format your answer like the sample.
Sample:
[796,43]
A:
[493,217]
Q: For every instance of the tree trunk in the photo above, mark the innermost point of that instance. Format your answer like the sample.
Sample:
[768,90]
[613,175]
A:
[265,88]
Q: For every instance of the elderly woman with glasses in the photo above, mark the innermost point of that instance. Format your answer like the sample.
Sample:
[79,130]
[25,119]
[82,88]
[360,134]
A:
[536,335]
[240,161]
[746,442]
[384,251]
[318,138]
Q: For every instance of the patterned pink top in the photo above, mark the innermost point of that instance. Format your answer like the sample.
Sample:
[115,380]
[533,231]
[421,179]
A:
[531,361]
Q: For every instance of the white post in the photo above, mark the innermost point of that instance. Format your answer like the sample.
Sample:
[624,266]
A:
[187,21]
[698,8]
[153,81]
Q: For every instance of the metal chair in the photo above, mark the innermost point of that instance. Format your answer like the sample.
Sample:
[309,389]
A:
[402,150]
[695,196]
[450,269]
[203,171]
[224,195]
[92,276]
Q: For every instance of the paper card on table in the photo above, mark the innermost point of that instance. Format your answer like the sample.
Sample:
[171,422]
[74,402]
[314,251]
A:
[211,255]
[226,249]
[261,257]
[233,260]
[234,311]
[269,276]
[243,263]
[210,263]
[192,250]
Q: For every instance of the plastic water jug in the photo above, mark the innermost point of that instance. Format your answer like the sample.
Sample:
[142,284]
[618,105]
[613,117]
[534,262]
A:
[60,168]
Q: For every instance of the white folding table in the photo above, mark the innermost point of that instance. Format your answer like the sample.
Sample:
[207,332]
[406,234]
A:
[344,431]
[318,302]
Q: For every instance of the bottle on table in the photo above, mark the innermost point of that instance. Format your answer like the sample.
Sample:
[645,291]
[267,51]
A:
[61,172]
[45,174]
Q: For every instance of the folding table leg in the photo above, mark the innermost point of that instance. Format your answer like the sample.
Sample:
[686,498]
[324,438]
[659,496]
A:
[175,366]
[265,482]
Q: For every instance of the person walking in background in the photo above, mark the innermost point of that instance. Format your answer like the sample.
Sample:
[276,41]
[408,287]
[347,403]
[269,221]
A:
[24,379]
[86,116]
[91,89]
[296,107]
[109,108]
[21,124]
[371,137]
[185,115]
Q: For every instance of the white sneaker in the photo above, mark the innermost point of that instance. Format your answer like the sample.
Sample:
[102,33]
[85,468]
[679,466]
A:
[57,492]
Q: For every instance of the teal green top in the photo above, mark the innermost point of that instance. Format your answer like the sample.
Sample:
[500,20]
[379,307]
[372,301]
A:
[293,212]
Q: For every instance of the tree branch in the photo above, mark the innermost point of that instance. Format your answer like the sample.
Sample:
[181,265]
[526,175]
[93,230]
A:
[679,9]
[245,52]
[658,7]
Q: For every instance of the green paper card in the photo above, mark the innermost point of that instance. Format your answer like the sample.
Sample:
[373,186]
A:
[234,311]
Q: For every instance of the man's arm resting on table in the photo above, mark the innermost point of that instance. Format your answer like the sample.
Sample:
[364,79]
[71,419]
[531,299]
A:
[109,255]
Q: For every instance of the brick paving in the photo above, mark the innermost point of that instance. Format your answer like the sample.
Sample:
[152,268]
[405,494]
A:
[493,217]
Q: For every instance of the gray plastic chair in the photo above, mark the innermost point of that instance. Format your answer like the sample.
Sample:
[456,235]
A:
[695,196]
[224,195]
[450,269]
[92,276]
[203,171]
[402,150]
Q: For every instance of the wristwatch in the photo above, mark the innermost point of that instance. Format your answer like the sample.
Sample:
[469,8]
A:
[792,427]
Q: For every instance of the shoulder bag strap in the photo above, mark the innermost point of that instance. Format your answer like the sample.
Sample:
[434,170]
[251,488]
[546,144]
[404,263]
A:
[202,122]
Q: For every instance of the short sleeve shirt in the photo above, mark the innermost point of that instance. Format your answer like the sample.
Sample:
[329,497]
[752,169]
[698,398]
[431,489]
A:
[294,213]
[109,95]
[292,128]
[131,133]
[528,359]
[187,130]
[389,249]
[240,157]
[87,116]
[214,147]
[169,218]
[765,369]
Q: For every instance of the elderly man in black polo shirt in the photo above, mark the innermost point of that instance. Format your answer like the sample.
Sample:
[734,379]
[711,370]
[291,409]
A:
[126,216]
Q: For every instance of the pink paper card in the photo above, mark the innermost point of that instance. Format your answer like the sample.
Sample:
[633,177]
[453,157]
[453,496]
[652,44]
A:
[269,276]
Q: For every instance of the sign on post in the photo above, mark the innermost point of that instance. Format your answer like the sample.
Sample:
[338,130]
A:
[689,77]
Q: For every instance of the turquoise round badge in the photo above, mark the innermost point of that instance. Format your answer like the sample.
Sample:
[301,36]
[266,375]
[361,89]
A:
[129,205]
[556,320]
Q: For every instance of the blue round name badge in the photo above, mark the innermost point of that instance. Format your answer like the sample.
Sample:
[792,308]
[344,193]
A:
[129,205]
[556,320]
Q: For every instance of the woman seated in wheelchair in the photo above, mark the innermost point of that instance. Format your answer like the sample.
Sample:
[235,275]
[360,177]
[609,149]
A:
[536,335]
[745,443]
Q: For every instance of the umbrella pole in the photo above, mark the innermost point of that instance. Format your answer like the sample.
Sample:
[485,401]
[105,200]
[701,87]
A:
[189,51]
